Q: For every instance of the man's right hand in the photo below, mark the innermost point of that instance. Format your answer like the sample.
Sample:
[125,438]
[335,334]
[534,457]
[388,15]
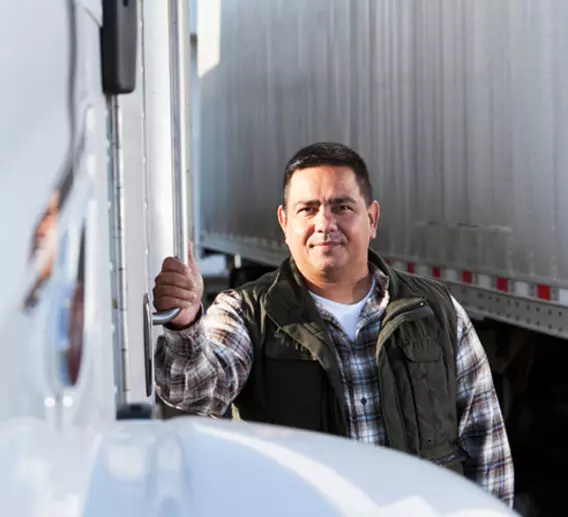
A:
[179,286]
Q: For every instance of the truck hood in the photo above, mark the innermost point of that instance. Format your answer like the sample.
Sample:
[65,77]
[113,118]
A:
[193,466]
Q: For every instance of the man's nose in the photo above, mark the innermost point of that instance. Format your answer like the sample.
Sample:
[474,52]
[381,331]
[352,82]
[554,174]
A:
[325,220]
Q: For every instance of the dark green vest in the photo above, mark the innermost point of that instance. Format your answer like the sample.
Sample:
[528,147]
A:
[295,378]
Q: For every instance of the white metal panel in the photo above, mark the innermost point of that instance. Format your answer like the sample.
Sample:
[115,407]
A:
[31,167]
[197,466]
[91,403]
[37,53]
[458,106]
[56,131]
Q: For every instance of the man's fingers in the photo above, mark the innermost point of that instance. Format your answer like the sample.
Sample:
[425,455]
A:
[179,286]
[176,280]
[165,304]
[167,291]
[174,265]
[190,256]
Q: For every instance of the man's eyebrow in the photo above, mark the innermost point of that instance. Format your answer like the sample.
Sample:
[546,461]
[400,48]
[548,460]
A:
[341,200]
[306,202]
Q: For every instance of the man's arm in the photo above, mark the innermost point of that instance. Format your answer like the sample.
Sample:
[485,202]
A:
[481,426]
[202,369]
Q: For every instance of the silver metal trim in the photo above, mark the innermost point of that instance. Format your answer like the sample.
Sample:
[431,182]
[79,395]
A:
[239,246]
[118,250]
[540,316]
[179,19]
[162,318]
[181,136]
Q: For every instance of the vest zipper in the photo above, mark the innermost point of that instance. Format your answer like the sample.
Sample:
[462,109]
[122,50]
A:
[413,307]
[390,323]
[405,308]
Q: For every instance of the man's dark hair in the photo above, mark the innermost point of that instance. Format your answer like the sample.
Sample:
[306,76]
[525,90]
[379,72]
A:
[329,153]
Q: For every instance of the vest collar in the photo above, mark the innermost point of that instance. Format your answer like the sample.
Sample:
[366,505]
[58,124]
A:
[289,289]
[289,305]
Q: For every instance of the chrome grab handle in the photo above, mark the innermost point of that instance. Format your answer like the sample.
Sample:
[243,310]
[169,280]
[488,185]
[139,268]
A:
[180,95]
[162,318]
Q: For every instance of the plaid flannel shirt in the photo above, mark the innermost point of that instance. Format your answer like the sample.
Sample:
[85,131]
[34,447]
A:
[202,369]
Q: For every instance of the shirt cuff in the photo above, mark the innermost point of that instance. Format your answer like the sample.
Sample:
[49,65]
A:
[184,341]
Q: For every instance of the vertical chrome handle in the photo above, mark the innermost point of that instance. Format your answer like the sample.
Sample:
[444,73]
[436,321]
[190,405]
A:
[147,319]
[181,134]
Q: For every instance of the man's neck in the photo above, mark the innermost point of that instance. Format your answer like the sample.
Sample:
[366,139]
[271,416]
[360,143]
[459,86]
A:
[341,290]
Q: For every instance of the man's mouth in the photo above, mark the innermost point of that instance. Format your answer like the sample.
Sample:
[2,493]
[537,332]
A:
[326,244]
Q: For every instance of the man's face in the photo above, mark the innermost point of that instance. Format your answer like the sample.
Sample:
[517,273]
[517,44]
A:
[327,223]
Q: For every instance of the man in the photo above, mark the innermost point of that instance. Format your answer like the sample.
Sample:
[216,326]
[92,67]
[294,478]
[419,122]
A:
[335,340]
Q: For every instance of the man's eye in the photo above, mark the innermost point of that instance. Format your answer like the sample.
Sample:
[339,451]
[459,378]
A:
[305,210]
[342,208]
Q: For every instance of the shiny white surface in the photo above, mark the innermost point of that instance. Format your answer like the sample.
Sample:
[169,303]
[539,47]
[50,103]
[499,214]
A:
[32,52]
[194,466]
[35,145]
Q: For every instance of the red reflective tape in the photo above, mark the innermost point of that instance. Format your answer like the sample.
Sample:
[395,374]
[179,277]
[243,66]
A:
[544,292]
[388,261]
[503,284]
[410,267]
[436,272]
[467,277]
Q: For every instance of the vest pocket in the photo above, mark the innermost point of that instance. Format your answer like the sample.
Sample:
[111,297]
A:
[294,386]
[435,413]
[422,351]
[453,460]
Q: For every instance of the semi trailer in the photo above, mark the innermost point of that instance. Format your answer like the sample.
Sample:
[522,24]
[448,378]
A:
[460,109]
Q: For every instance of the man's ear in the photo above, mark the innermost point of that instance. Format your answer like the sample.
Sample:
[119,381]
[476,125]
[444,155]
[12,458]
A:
[374,214]
[282,218]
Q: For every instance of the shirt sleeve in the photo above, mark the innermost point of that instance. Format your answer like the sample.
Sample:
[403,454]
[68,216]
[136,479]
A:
[481,427]
[202,369]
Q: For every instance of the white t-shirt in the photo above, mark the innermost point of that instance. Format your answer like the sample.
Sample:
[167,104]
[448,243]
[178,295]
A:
[346,314]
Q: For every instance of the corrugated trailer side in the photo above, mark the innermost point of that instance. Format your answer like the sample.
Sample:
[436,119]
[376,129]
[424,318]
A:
[459,107]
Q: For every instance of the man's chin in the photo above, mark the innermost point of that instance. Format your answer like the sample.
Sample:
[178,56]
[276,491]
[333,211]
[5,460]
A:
[327,264]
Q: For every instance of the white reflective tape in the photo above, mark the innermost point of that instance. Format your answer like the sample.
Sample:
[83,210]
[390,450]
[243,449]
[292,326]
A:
[398,264]
[484,281]
[563,296]
[423,270]
[451,275]
[522,289]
